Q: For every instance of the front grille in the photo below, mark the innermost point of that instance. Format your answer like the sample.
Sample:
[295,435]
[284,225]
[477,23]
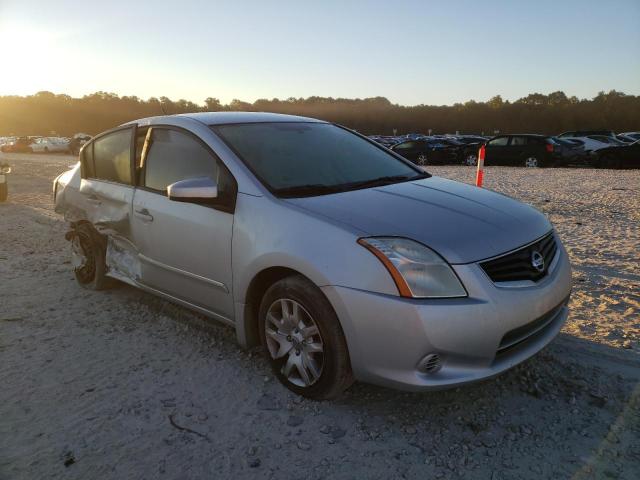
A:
[518,265]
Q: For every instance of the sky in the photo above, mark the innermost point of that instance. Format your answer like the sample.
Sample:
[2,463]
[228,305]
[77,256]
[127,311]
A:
[412,52]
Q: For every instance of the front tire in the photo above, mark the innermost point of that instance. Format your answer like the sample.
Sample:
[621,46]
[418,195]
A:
[89,257]
[531,162]
[303,339]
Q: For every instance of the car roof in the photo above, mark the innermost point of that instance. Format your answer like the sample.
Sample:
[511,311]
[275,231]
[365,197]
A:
[223,118]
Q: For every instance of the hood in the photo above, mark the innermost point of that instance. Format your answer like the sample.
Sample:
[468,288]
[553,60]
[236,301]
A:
[463,223]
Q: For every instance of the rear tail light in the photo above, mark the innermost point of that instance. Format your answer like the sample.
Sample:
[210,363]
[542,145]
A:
[549,147]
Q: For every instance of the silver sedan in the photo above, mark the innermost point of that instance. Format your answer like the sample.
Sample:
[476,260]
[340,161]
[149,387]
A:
[344,260]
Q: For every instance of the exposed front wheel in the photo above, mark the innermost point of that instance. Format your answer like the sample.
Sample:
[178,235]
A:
[303,339]
[88,249]
[531,162]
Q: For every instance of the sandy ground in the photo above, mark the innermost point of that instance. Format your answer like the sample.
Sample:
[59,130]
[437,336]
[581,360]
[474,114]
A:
[120,384]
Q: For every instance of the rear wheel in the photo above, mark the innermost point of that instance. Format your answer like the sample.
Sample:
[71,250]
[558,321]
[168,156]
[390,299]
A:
[421,159]
[4,192]
[471,160]
[88,249]
[303,339]
[531,162]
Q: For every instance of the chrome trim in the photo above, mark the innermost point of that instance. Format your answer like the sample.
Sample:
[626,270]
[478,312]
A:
[194,276]
[552,231]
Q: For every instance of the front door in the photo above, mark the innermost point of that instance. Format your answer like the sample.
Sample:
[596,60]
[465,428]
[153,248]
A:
[184,248]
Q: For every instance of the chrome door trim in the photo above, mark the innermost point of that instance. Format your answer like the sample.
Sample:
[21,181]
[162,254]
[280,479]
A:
[194,276]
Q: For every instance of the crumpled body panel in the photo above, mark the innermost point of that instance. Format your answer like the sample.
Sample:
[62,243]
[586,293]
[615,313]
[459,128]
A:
[107,207]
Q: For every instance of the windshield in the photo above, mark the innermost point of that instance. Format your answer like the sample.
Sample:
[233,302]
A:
[306,159]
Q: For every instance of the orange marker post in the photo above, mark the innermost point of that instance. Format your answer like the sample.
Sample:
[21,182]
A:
[480,172]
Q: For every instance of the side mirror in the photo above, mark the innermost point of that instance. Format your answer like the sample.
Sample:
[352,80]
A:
[193,190]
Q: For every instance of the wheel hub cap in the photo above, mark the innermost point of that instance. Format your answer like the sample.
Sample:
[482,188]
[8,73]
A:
[293,339]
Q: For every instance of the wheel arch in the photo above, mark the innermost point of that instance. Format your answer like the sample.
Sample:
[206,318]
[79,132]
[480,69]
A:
[247,320]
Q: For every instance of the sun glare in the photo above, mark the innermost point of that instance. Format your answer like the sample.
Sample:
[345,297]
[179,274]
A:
[31,57]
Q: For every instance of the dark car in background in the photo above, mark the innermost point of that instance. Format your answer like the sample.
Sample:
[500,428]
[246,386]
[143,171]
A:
[76,143]
[429,151]
[586,133]
[527,150]
[620,156]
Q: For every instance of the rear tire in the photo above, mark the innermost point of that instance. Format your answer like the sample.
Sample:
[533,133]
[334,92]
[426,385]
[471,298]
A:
[4,191]
[303,340]
[89,258]
[531,162]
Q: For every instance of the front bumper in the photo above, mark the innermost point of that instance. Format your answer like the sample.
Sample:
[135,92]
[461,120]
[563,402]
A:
[490,331]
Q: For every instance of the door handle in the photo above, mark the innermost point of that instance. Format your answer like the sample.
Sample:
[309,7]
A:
[144,214]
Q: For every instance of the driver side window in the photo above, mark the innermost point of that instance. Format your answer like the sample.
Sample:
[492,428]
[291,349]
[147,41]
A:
[173,155]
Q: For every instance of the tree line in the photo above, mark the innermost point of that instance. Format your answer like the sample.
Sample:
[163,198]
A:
[46,113]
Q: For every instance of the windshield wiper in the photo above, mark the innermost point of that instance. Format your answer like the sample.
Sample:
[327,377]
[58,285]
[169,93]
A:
[307,190]
[311,190]
[379,182]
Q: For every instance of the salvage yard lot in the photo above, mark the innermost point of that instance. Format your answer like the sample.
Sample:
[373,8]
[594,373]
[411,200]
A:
[121,384]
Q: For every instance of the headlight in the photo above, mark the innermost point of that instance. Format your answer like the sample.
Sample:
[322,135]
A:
[417,271]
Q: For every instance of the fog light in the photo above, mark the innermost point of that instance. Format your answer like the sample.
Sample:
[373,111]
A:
[431,363]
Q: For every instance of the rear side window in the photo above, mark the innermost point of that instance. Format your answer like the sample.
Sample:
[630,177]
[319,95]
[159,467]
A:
[405,146]
[518,141]
[112,157]
[499,142]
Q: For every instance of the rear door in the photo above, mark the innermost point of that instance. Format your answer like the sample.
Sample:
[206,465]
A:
[184,248]
[107,181]
[518,150]
[496,151]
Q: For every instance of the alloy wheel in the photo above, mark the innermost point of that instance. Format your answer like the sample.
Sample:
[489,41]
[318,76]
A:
[531,162]
[422,159]
[293,338]
[471,160]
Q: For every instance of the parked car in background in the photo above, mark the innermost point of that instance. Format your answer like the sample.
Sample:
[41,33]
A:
[429,151]
[50,145]
[524,150]
[625,156]
[586,133]
[629,137]
[344,260]
[571,153]
[19,145]
[470,146]
[76,143]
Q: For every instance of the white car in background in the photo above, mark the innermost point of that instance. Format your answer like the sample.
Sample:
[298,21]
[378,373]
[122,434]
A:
[50,145]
